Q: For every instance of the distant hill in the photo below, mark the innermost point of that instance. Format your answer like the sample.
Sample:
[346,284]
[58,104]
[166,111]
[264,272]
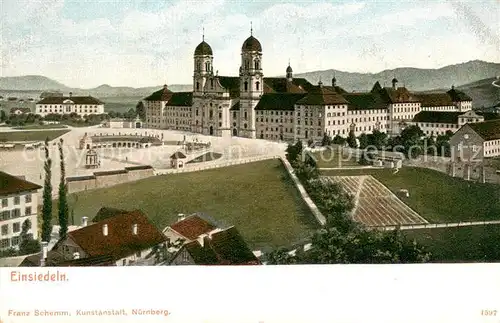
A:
[415,79]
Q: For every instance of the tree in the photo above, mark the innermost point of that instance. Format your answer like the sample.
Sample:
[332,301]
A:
[3,116]
[411,141]
[294,151]
[363,141]
[281,257]
[377,139]
[338,140]
[351,140]
[28,245]
[47,196]
[140,110]
[326,141]
[63,198]
[130,114]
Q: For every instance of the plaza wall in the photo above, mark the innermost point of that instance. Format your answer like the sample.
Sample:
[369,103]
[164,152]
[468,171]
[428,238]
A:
[108,178]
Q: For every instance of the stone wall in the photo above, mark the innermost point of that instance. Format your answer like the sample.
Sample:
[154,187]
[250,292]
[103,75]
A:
[108,178]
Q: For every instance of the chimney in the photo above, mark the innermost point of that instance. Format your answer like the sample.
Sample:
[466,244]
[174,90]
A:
[70,94]
[180,217]
[134,229]
[201,239]
[76,255]
[43,256]
[105,230]
[84,221]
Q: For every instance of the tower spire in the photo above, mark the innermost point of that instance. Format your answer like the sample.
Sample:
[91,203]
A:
[288,62]
[203,34]
[251,29]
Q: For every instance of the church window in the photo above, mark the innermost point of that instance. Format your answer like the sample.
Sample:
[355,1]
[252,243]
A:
[247,65]
[257,86]
[245,125]
[246,116]
[256,64]
[246,86]
[197,85]
[211,114]
[212,83]
[220,115]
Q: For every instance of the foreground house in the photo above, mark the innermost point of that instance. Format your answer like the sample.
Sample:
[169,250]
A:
[188,228]
[123,239]
[434,123]
[18,202]
[19,111]
[218,247]
[477,141]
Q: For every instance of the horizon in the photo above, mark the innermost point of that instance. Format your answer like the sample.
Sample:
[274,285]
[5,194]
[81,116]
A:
[141,41]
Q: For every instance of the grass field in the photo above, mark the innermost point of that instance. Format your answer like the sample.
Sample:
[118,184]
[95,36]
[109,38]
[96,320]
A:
[462,244]
[436,196]
[40,126]
[258,198]
[31,135]
[120,104]
[332,158]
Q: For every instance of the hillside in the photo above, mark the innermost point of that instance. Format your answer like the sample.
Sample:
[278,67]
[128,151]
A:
[414,78]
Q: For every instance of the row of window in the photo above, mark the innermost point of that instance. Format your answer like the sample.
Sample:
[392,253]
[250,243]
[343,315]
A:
[12,242]
[16,227]
[437,125]
[14,213]
[406,110]
[17,200]
[492,143]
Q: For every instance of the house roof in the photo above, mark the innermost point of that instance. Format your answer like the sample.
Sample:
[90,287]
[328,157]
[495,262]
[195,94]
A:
[364,101]
[278,101]
[161,95]
[336,88]
[283,85]
[181,99]
[11,184]
[231,84]
[458,96]
[120,240]
[76,99]
[320,95]
[94,261]
[193,226]
[488,130]
[225,247]
[399,95]
[434,99]
[107,212]
[178,155]
[437,117]
[53,259]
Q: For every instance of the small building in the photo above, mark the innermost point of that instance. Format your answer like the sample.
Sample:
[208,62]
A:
[219,247]
[92,159]
[435,123]
[475,141]
[81,105]
[123,239]
[177,160]
[387,159]
[120,123]
[18,203]
[189,228]
[19,111]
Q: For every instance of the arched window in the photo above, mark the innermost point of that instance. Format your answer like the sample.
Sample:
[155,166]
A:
[245,125]
[256,64]
[198,66]
[211,114]
[257,86]
[246,116]
[246,86]
[220,115]
[197,86]
[211,83]
[247,65]
[207,66]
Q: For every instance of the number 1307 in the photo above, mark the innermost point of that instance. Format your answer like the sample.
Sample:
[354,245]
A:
[489,312]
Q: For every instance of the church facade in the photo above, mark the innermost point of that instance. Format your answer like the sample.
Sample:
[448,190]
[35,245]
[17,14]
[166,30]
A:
[287,108]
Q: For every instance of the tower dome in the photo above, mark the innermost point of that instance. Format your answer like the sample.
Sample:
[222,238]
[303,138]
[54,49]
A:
[251,44]
[289,69]
[203,49]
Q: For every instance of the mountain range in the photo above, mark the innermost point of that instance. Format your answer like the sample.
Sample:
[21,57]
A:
[416,79]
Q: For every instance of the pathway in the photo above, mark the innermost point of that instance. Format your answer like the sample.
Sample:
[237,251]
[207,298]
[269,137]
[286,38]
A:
[438,225]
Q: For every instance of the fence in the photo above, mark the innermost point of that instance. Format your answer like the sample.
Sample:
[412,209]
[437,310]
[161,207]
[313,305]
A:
[217,164]
[436,225]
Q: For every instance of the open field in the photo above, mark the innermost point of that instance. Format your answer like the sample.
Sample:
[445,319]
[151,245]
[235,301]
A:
[31,135]
[258,198]
[333,158]
[376,205]
[436,196]
[120,104]
[462,244]
[41,126]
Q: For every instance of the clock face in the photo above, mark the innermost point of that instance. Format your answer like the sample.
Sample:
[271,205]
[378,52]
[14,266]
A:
[466,136]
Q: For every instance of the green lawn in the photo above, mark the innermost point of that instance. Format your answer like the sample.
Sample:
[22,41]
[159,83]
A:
[258,198]
[31,135]
[332,157]
[463,244]
[205,158]
[436,196]
[120,104]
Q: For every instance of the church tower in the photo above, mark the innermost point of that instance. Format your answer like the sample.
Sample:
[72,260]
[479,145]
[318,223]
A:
[203,66]
[251,84]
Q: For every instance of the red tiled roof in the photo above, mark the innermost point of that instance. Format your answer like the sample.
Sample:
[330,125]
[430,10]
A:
[192,227]
[178,155]
[434,99]
[11,184]
[120,241]
[225,247]
[76,99]
[320,95]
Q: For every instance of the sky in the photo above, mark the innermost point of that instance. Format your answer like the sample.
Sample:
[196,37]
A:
[83,43]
